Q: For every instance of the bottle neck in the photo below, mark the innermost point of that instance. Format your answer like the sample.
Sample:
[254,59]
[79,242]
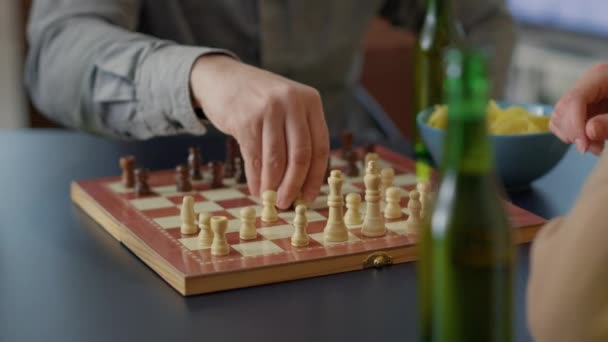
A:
[440,9]
[440,20]
[467,148]
[466,90]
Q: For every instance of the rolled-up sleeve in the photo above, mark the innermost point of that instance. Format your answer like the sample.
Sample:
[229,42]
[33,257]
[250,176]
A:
[88,69]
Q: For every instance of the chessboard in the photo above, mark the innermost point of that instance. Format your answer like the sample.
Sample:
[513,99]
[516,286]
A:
[150,225]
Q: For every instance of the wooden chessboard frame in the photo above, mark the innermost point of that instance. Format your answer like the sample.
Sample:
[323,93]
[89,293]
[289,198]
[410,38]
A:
[177,266]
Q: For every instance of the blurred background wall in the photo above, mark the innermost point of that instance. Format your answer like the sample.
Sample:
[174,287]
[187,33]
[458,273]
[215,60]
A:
[558,40]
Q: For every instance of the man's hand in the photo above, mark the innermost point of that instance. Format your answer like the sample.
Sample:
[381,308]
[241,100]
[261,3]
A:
[581,115]
[279,124]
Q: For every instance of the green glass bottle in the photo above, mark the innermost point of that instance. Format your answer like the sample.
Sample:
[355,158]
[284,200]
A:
[466,260]
[439,31]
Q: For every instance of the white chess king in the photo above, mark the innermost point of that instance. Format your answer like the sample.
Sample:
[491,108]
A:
[373,223]
[335,229]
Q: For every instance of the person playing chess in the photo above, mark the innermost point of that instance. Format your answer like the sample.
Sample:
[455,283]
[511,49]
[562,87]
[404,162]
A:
[256,70]
[567,297]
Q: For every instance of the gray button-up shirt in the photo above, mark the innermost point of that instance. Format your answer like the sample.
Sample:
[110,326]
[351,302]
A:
[121,67]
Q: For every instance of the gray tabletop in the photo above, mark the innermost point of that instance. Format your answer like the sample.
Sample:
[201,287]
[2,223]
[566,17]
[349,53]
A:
[62,278]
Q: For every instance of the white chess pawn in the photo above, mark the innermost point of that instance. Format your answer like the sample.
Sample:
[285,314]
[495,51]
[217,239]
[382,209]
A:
[413,221]
[392,210]
[371,156]
[188,216]
[424,189]
[269,211]
[300,222]
[353,210]
[219,246]
[247,231]
[387,175]
[205,237]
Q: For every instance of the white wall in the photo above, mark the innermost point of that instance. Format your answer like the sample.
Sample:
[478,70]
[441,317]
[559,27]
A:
[12,100]
[547,63]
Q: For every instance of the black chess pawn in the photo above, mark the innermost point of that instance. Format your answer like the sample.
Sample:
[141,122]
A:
[352,170]
[217,171]
[141,182]
[127,165]
[194,163]
[182,178]
[370,148]
[239,171]
[328,169]
[347,143]
[231,155]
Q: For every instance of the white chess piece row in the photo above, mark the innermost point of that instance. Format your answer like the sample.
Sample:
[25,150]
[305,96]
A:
[213,228]
[382,202]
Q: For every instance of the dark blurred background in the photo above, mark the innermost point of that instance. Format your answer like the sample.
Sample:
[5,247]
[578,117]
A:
[558,40]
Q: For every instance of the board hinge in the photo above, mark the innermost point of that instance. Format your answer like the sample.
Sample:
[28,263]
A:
[377,260]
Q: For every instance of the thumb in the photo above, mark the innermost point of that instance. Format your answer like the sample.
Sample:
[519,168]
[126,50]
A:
[596,128]
[571,114]
[569,117]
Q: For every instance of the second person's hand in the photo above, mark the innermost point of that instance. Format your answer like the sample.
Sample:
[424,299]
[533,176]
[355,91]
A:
[581,115]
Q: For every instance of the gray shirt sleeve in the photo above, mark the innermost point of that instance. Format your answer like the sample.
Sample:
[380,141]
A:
[87,68]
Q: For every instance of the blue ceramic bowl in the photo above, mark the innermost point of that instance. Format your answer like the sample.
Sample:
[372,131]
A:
[519,159]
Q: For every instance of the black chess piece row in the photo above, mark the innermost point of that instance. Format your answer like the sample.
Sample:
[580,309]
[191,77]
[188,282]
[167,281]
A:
[136,178]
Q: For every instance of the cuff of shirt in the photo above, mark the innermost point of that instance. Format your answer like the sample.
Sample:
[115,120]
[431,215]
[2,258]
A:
[164,89]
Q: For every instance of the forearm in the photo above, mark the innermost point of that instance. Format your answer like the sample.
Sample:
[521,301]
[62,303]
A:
[567,297]
[90,71]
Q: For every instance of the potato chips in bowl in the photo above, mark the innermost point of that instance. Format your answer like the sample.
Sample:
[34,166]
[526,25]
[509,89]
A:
[513,119]
[523,146]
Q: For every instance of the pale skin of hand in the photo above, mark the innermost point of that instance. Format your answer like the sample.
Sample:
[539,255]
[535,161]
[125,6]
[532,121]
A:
[278,123]
[581,115]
